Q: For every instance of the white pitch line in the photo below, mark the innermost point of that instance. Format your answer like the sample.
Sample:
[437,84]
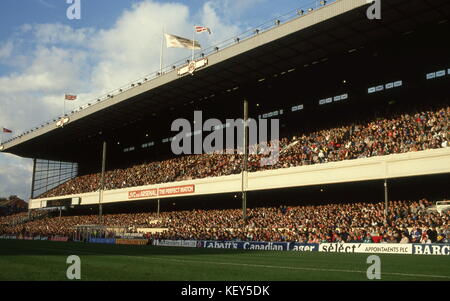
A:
[292,268]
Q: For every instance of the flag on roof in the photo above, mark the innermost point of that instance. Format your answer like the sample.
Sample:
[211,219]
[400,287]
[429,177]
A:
[200,29]
[179,42]
[5,130]
[70,97]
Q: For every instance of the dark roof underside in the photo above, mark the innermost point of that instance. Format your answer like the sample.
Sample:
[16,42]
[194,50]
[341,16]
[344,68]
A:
[340,34]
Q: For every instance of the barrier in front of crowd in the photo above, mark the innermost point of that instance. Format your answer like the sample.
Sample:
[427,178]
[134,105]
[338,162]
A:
[238,245]
[431,249]
[136,242]
[50,238]
[364,248]
[59,238]
[299,247]
[8,237]
[175,243]
[245,245]
[108,241]
[129,235]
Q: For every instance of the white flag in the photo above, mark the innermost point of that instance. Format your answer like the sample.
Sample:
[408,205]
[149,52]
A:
[178,42]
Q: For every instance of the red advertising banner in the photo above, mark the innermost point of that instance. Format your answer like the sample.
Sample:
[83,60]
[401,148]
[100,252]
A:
[59,238]
[136,242]
[166,191]
[139,194]
[187,189]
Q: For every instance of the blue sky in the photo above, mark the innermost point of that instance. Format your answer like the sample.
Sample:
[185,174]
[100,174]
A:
[44,55]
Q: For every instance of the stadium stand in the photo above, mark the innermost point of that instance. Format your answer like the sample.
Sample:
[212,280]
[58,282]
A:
[396,103]
[12,205]
[406,132]
[408,222]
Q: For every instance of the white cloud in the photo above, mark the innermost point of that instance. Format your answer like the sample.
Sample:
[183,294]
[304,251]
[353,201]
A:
[15,176]
[131,48]
[58,33]
[90,62]
[6,50]
[221,30]
[234,10]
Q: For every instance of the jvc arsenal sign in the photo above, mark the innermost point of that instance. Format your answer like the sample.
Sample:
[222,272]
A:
[165,191]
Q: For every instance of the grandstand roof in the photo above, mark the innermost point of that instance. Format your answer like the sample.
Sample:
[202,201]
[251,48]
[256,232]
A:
[13,202]
[341,26]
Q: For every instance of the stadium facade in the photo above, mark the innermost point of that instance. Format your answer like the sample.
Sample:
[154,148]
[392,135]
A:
[312,71]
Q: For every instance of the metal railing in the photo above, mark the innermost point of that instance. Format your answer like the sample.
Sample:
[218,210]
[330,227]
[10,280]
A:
[264,27]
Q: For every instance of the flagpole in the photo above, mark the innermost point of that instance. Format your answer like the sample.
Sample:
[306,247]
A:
[193,43]
[64,112]
[162,53]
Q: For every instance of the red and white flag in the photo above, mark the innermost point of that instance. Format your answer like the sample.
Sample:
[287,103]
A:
[200,29]
[70,97]
[7,131]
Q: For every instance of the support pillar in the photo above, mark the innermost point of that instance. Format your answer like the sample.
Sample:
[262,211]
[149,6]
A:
[102,183]
[245,162]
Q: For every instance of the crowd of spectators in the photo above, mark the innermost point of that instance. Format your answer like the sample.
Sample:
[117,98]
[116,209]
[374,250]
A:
[399,134]
[66,225]
[12,205]
[12,218]
[402,134]
[407,222]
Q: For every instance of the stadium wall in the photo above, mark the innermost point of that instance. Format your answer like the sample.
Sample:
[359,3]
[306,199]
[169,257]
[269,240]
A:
[365,248]
[393,166]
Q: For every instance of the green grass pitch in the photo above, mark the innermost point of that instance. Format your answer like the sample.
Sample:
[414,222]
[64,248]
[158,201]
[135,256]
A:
[43,260]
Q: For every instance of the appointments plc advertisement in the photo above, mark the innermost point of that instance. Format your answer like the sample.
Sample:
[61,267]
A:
[366,248]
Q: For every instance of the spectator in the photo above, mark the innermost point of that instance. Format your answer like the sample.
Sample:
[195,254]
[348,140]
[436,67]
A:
[404,239]
[432,234]
[425,239]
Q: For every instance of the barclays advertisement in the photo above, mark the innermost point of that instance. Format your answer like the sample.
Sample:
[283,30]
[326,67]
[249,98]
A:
[431,249]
